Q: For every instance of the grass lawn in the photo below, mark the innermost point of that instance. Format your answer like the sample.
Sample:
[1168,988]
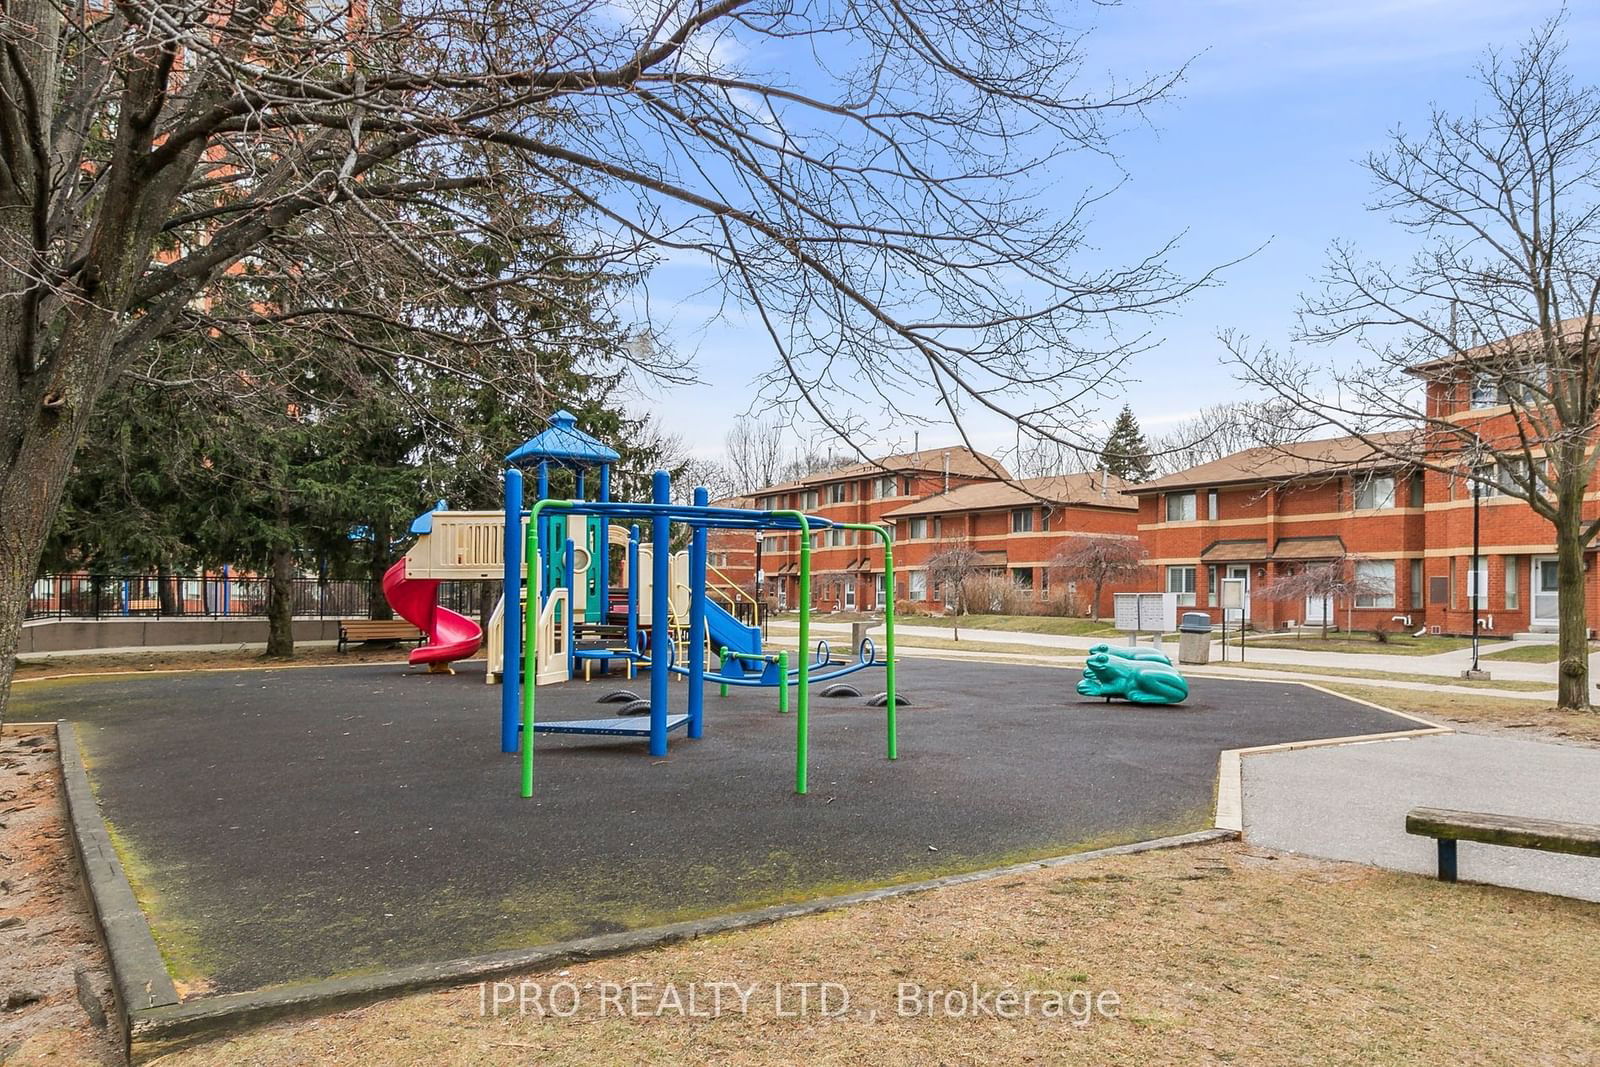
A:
[1217,954]
[1483,711]
[1517,686]
[1396,645]
[1031,624]
[1529,651]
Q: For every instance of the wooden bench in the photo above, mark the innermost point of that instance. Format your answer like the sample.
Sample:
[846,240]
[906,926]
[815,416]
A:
[376,630]
[1510,831]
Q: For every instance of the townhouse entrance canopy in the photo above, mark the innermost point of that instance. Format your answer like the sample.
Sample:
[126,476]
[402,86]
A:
[1297,549]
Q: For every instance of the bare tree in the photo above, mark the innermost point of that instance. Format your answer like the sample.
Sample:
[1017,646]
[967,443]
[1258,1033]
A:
[759,452]
[1100,561]
[1494,316]
[1329,582]
[950,567]
[1223,429]
[877,184]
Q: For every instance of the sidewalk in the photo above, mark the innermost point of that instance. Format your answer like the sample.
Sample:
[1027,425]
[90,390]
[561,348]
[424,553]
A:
[1444,665]
[1349,802]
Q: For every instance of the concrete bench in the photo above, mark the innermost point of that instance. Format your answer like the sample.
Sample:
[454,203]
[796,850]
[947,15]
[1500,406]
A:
[1510,831]
[377,630]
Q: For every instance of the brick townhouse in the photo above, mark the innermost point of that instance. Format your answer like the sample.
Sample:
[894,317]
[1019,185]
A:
[1516,561]
[1261,513]
[847,565]
[1017,528]
[1265,513]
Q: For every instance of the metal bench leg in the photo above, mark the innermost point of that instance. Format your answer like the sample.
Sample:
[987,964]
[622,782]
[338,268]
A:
[1447,859]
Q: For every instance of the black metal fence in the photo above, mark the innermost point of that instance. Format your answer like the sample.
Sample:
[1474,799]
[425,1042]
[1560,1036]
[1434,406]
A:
[77,596]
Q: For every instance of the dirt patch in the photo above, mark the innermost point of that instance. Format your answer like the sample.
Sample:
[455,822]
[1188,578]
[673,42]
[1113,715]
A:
[47,933]
[1215,955]
[1525,718]
[93,664]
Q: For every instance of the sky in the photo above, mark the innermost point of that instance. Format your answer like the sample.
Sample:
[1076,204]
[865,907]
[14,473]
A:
[1259,148]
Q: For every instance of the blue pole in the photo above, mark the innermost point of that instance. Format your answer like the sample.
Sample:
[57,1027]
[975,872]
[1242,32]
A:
[511,618]
[544,479]
[603,578]
[660,634]
[633,588]
[225,589]
[579,494]
[697,618]
[572,597]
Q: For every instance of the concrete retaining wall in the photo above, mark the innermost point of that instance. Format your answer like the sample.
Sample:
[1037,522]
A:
[70,635]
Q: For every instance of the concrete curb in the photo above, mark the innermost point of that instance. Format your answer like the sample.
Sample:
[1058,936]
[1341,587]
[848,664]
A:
[153,1021]
[1230,764]
[139,979]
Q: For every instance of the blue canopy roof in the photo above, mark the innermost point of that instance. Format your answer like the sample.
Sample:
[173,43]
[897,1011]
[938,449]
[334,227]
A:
[564,443]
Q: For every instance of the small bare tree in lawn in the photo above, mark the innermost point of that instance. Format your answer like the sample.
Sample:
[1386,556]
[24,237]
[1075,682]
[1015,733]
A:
[1482,340]
[1338,579]
[950,567]
[1100,561]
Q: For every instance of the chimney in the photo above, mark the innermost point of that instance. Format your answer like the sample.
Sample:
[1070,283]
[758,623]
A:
[947,470]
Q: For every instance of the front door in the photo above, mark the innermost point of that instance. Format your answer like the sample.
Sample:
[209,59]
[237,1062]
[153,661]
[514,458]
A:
[877,593]
[849,594]
[1544,614]
[1242,570]
[1316,610]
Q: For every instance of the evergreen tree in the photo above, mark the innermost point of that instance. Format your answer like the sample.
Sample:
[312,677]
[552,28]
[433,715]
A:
[1125,453]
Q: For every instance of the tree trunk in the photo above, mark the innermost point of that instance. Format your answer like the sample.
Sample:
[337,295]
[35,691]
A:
[382,558]
[1573,638]
[167,599]
[1094,605]
[280,604]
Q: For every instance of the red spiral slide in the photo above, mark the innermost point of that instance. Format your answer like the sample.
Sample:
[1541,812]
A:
[451,635]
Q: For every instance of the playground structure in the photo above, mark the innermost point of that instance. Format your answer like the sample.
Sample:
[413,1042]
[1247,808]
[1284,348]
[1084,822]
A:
[412,588]
[1139,675]
[561,612]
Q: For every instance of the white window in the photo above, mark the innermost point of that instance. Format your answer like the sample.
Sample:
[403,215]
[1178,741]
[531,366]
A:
[1211,503]
[1023,577]
[1485,392]
[1376,575]
[1180,508]
[1044,583]
[810,500]
[1478,580]
[1416,585]
[877,591]
[919,529]
[884,486]
[1022,520]
[1375,491]
[835,537]
[918,584]
[1180,580]
[839,493]
[1510,475]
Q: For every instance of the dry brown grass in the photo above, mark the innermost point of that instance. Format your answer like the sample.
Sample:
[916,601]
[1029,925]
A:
[1485,713]
[1219,954]
[95,663]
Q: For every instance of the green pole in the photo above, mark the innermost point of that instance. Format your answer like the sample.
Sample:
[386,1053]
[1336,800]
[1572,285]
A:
[802,707]
[891,715]
[530,639]
[888,643]
[783,683]
[722,669]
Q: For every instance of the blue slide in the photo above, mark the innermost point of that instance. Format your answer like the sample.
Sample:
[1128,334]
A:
[728,632]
